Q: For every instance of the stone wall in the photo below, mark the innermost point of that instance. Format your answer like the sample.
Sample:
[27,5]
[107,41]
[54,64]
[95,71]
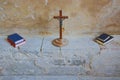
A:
[36,16]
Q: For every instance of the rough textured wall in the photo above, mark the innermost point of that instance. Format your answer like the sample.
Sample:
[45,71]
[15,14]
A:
[36,16]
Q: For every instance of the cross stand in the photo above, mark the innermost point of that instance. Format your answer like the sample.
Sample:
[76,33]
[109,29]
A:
[59,42]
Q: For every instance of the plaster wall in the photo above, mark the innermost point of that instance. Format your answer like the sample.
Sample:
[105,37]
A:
[36,16]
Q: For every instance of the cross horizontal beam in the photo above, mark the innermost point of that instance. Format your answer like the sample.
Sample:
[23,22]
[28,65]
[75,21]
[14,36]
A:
[60,16]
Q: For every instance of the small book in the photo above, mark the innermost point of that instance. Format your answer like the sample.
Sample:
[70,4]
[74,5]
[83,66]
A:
[15,40]
[104,39]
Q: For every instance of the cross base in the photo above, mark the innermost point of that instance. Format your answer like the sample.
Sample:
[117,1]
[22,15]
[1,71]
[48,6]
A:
[60,42]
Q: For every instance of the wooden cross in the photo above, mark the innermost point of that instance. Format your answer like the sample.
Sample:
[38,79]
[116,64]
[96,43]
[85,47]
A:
[59,41]
[60,18]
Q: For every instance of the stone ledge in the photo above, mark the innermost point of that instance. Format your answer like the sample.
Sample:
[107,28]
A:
[66,77]
[81,56]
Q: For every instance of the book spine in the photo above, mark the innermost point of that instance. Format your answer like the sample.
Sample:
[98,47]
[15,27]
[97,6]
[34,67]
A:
[99,42]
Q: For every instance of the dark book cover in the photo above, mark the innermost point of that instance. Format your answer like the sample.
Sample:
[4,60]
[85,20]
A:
[104,38]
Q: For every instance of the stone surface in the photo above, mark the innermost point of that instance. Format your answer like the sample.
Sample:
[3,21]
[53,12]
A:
[82,59]
[57,78]
[108,59]
[32,46]
[48,48]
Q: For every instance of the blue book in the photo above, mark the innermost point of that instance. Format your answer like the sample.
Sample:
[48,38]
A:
[15,40]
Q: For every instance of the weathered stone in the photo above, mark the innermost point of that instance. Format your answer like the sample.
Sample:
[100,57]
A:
[107,63]
[72,59]
[1,70]
[49,49]
[59,62]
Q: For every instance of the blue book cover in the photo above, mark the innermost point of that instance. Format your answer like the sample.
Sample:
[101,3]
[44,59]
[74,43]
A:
[16,38]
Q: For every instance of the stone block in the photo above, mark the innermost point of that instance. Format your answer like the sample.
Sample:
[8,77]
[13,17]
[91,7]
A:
[49,49]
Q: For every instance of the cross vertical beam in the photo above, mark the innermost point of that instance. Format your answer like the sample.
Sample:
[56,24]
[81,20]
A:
[60,18]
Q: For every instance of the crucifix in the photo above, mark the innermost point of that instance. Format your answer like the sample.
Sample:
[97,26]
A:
[59,42]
